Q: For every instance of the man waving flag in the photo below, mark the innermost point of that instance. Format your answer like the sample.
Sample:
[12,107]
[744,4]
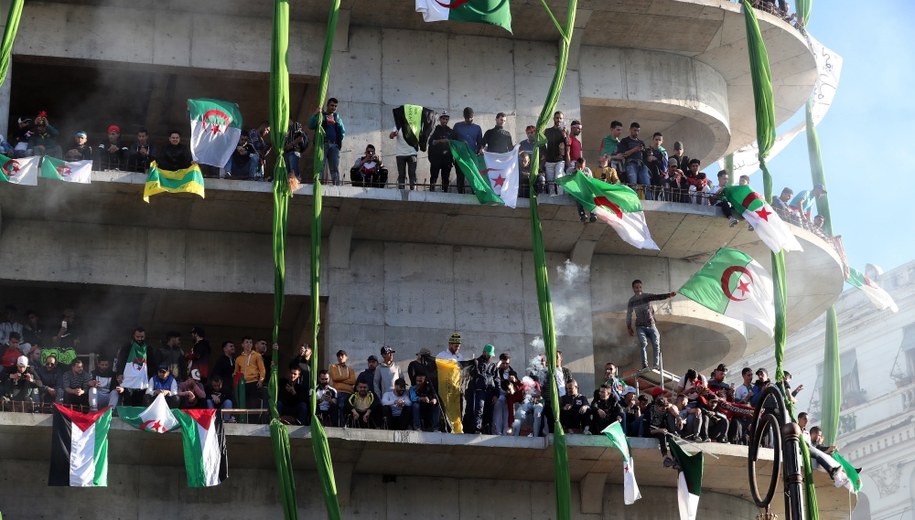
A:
[615,204]
[215,129]
[771,229]
[493,176]
[733,284]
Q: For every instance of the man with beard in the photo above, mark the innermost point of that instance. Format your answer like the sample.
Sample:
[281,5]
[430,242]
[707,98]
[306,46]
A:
[133,366]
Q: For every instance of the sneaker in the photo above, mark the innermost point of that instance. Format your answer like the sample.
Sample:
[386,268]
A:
[732,222]
[593,218]
[668,462]
[583,218]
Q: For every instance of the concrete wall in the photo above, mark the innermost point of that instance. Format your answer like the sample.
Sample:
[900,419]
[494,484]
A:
[154,492]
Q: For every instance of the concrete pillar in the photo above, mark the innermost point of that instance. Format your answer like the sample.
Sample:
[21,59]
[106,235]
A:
[5,102]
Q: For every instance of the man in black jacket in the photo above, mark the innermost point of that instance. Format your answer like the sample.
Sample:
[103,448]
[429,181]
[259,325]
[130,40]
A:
[481,391]
[293,397]
[440,158]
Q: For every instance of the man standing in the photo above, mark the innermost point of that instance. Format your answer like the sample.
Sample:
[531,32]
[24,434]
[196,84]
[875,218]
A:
[557,151]
[170,354]
[610,144]
[405,154]
[386,373]
[440,159]
[250,367]
[225,365]
[134,368]
[633,151]
[343,377]
[472,135]
[199,356]
[448,363]
[575,141]
[333,138]
[497,139]
[481,390]
[141,152]
[644,326]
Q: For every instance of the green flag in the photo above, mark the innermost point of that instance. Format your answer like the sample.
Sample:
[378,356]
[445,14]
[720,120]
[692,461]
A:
[494,12]
[689,485]
[473,165]
[618,440]
[187,180]
[877,295]
[854,479]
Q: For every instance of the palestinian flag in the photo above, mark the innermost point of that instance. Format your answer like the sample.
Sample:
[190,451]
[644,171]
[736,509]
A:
[22,171]
[618,440]
[416,123]
[771,229]
[77,171]
[690,481]
[879,297]
[188,180]
[215,129]
[733,284]
[494,177]
[156,418]
[204,444]
[854,479]
[79,448]
[615,204]
[494,12]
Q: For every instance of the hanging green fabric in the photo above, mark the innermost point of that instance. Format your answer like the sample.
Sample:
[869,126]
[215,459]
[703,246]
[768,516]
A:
[319,443]
[541,271]
[279,119]
[763,98]
[802,9]
[9,37]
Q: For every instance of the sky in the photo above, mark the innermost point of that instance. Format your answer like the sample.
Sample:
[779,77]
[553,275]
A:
[869,132]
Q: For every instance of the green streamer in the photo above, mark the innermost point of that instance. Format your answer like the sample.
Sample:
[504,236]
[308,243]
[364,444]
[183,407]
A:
[763,98]
[279,119]
[9,37]
[319,443]
[541,272]
[802,9]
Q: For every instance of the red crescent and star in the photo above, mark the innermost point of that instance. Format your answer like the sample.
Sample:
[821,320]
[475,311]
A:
[605,202]
[11,167]
[762,212]
[217,114]
[742,286]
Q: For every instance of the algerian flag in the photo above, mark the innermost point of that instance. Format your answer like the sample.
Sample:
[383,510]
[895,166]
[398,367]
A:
[215,129]
[689,486]
[617,438]
[733,284]
[79,448]
[879,297]
[494,177]
[157,417]
[135,368]
[854,479]
[188,180]
[771,229]
[615,204]
[22,171]
[495,12]
[204,444]
[76,171]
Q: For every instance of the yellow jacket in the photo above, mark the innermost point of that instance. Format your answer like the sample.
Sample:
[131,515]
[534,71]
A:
[251,367]
[342,378]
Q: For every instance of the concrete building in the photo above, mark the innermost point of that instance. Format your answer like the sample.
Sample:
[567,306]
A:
[878,395]
[398,267]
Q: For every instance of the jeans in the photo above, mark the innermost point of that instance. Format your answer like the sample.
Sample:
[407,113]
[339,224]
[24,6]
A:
[476,406]
[431,412]
[224,404]
[644,334]
[301,411]
[248,171]
[637,173]
[292,163]
[521,414]
[405,162]
[436,168]
[551,170]
[500,416]
[332,161]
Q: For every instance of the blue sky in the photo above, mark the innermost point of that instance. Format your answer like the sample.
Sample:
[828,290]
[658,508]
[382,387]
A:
[868,137]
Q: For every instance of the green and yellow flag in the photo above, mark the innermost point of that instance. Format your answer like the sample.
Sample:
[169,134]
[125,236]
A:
[187,180]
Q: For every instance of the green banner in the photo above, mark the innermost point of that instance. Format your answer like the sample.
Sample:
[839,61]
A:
[9,37]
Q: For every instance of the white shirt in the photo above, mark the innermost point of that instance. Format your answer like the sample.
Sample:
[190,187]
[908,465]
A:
[401,148]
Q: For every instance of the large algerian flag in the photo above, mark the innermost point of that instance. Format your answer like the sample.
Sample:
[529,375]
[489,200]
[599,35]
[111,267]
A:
[879,297]
[79,448]
[495,12]
[188,180]
[416,124]
[215,129]
[204,444]
[157,417]
[76,171]
[615,204]
[494,177]
[733,284]
[854,479]
[617,438]
[19,171]
[771,229]
[689,485]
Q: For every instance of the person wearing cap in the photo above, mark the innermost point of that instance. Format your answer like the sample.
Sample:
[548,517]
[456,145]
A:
[20,383]
[141,152]
[497,139]
[386,373]
[397,407]
[448,364]
[716,383]
[112,154]
[804,201]
[760,385]
[644,327]
[199,355]
[342,377]
[102,382]
[482,390]
[425,364]
[80,151]
[44,139]
[163,383]
[440,159]
[472,135]
[679,156]
[191,392]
